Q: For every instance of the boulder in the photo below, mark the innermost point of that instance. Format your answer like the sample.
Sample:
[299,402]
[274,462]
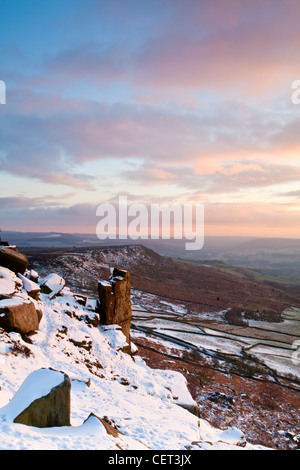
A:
[19,314]
[34,276]
[99,426]
[52,285]
[81,299]
[32,288]
[43,400]
[10,258]
[109,428]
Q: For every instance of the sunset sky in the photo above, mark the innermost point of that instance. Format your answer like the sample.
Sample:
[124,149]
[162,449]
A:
[165,101]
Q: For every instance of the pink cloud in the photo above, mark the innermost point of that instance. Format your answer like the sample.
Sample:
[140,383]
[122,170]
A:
[231,178]
[233,46]
[251,219]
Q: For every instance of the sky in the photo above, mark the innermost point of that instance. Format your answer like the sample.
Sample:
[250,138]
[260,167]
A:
[164,101]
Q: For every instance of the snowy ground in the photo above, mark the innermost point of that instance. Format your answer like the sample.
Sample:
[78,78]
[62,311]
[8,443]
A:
[143,404]
[226,339]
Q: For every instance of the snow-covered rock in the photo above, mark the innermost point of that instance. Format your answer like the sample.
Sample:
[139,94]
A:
[52,285]
[43,400]
[31,287]
[177,384]
[9,283]
[19,314]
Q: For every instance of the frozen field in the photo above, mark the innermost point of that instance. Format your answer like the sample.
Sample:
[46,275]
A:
[274,344]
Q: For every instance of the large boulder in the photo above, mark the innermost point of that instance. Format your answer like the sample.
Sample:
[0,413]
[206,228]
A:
[10,258]
[19,314]
[43,400]
[115,301]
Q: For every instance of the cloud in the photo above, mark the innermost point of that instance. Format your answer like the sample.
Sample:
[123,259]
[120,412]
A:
[295,193]
[223,178]
[232,47]
[23,202]
[53,142]
[235,46]
[92,60]
[87,130]
[249,219]
[25,217]
[220,120]
[32,147]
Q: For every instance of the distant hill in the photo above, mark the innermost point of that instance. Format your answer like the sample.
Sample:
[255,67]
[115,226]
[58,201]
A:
[270,244]
[276,258]
[201,287]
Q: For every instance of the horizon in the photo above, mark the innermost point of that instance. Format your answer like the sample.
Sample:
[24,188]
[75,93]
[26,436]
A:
[162,102]
[137,241]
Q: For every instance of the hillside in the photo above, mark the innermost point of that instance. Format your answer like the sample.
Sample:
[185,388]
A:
[201,287]
[117,401]
[231,336]
[273,259]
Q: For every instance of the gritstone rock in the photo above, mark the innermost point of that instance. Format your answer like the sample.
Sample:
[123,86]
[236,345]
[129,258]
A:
[32,288]
[52,285]
[19,314]
[10,258]
[10,284]
[51,405]
[115,301]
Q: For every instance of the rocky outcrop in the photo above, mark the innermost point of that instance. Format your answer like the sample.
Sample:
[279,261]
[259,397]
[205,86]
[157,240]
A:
[52,405]
[115,301]
[19,314]
[10,258]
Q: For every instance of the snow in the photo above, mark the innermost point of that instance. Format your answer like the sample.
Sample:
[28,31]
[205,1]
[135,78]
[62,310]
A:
[33,274]
[14,302]
[29,285]
[114,336]
[178,386]
[163,324]
[9,283]
[168,345]
[210,343]
[91,304]
[3,352]
[105,283]
[142,403]
[54,282]
[278,359]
